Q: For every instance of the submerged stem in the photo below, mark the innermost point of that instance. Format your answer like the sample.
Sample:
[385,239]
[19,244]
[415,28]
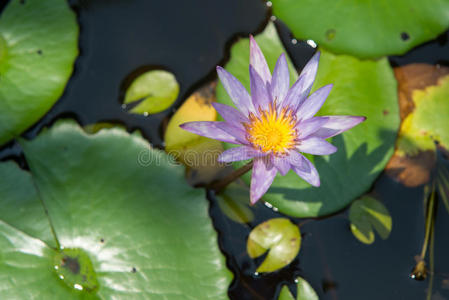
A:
[219,185]
[420,270]
[429,221]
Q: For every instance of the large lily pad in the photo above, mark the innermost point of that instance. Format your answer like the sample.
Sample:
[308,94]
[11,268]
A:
[365,28]
[38,46]
[361,87]
[145,232]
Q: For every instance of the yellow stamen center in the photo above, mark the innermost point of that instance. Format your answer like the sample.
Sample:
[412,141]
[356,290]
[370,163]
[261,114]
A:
[272,131]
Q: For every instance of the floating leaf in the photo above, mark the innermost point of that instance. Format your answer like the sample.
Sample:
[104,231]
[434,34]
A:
[304,291]
[361,87]
[38,46]
[152,92]
[125,218]
[365,29]
[410,165]
[428,122]
[233,202]
[367,213]
[280,237]
[198,153]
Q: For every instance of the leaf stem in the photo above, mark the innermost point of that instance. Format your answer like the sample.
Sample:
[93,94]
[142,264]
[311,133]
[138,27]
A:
[420,270]
[429,222]
[220,185]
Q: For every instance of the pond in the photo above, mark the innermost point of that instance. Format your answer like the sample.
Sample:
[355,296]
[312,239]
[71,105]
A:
[134,232]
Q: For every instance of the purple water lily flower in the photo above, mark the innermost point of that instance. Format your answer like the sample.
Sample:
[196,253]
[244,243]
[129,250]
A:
[275,123]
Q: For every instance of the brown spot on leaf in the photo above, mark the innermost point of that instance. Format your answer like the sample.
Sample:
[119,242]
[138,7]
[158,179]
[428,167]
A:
[71,263]
[415,77]
[411,171]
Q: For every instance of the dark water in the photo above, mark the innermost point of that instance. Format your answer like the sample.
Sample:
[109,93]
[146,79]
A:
[121,39]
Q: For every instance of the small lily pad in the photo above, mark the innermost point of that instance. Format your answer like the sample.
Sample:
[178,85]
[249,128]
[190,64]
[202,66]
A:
[151,92]
[367,214]
[366,29]
[38,47]
[304,291]
[233,202]
[280,237]
[198,153]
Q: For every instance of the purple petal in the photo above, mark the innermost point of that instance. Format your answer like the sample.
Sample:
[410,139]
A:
[257,60]
[295,158]
[316,146]
[259,90]
[281,163]
[301,89]
[308,74]
[236,131]
[313,104]
[310,126]
[337,124]
[236,91]
[307,171]
[211,130]
[281,79]
[239,153]
[230,114]
[261,178]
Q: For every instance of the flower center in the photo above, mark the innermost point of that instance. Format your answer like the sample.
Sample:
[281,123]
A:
[272,131]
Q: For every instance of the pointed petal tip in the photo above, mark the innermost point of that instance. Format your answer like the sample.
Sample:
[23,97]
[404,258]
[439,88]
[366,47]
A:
[253,200]
[251,39]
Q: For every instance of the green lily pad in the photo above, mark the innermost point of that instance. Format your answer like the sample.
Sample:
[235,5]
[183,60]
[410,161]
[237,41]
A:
[367,214]
[365,29]
[428,121]
[304,291]
[145,232]
[38,46]
[361,87]
[152,92]
[282,240]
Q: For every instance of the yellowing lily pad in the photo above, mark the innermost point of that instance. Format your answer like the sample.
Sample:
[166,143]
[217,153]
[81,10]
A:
[367,214]
[89,221]
[280,237]
[368,28]
[151,92]
[360,87]
[198,153]
[38,47]
[428,122]
[304,291]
